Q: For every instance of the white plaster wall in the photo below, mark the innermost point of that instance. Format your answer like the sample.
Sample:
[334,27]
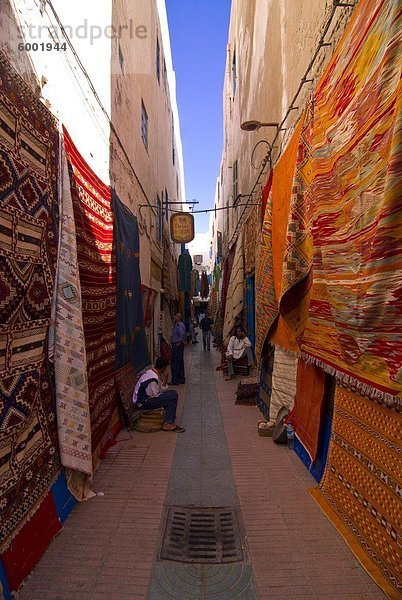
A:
[134,81]
[67,89]
[274,42]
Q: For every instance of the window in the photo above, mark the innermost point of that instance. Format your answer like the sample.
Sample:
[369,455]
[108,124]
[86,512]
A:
[164,73]
[235,180]
[219,243]
[166,205]
[158,60]
[144,125]
[234,74]
[121,59]
[158,219]
[173,148]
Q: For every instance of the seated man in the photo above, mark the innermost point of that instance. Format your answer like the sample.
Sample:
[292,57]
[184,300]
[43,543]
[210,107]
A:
[238,347]
[150,393]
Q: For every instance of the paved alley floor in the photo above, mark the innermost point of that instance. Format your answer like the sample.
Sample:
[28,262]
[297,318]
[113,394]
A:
[111,546]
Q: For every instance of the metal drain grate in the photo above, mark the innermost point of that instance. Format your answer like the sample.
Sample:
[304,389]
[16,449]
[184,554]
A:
[204,535]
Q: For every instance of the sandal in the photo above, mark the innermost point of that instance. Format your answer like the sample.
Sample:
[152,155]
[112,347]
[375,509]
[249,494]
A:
[175,428]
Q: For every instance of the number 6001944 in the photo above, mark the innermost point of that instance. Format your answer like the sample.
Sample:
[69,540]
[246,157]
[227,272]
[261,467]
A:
[43,46]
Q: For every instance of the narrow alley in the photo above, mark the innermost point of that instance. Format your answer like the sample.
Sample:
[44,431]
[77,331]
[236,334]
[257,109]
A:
[110,546]
[200,299]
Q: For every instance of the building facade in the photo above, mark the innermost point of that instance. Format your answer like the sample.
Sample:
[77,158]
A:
[123,117]
[270,47]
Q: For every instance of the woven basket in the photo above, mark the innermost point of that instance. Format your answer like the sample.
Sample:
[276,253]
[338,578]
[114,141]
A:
[150,420]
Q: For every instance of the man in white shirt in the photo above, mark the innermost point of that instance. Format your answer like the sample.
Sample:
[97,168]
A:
[238,347]
[151,392]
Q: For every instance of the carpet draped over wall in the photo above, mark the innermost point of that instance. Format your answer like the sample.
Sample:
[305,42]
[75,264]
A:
[235,290]
[94,228]
[67,343]
[309,404]
[131,342]
[283,381]
[361,488]
[251,239]
[271,253]
[29,461]
[346,212]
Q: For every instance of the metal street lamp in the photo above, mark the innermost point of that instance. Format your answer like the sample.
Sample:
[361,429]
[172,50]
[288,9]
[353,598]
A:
[256,125]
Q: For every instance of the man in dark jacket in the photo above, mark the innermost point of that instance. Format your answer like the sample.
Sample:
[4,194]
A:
[178,343]
[206,326]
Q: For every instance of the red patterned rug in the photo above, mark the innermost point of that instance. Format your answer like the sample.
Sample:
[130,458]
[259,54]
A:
[94,227]
[29,460]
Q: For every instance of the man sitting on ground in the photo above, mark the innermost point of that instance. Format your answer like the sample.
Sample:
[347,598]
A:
[238,347]
[151,393]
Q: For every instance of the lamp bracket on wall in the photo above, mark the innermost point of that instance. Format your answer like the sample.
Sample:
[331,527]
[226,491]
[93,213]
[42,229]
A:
[257,165]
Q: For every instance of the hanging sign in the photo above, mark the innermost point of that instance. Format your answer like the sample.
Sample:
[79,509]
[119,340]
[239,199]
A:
[182,227]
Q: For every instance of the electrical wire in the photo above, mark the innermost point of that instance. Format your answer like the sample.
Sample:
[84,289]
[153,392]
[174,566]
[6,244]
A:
[303,81]
[97,98]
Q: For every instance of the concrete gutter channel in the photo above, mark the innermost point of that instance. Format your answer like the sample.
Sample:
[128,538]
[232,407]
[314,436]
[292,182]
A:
[202,479]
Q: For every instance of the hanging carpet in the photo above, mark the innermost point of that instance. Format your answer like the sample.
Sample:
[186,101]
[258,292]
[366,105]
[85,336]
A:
[251,239]
[265,388]
[235,291]
[346,224]
[213,303]
[131,342]
[204,285]
[94,228]
[361,488]
[67,343]
[309,404]
[227,270]
[28,249]
[185,266]
[272,249]
[283,381]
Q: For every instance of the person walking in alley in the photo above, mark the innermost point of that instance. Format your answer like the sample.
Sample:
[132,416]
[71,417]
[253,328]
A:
[178,343]
[239,346]
[206,326]
[150,392]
